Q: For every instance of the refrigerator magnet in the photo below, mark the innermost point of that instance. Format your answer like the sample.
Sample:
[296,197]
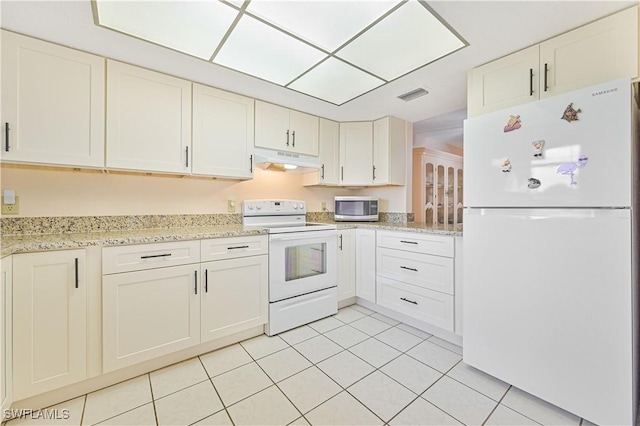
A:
[533,183]
[514,123]
[506,166]
[570,113]
[570,168]
[537,148]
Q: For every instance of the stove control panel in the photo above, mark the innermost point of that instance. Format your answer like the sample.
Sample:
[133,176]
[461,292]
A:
[273,207]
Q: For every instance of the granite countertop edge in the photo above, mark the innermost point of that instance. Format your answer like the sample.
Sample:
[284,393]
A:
[13,244]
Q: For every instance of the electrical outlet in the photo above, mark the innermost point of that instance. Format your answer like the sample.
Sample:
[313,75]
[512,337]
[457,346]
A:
[323,205]
[231,206]
[11,208]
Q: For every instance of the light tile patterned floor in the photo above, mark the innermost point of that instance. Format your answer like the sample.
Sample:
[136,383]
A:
[355,368]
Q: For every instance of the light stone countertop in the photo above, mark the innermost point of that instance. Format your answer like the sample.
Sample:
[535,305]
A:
[12,244]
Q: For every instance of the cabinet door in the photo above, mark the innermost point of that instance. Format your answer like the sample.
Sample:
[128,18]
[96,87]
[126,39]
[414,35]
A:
[356,153]
[53,103]
[148,120]
[346,264]
[366,264]
[272,127]
[222,133]
[234,296]
[5,333]
[149,313]
[304,133]
[50,321]
[506,82]
[329,156]
[389,151]
[601,51]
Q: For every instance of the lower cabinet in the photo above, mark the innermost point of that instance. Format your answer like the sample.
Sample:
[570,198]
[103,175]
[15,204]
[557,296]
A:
[234,296]
[346,264]
[159,298]
[49,321]
[366,264]
[149,313]
[415,276]
[6,278]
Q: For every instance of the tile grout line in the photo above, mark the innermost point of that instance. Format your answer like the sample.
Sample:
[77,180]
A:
[153,400]
[224,407]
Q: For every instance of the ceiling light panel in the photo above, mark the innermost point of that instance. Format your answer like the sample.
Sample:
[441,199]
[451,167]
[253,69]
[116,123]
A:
[336,82]
[407,39]
[260,50]
[326,24]
[195,28]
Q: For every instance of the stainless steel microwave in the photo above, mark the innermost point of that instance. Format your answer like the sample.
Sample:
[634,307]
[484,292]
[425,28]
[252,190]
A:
[360,209]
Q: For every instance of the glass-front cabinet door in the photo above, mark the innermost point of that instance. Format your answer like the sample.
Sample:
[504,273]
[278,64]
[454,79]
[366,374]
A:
[460,201]
[429,182]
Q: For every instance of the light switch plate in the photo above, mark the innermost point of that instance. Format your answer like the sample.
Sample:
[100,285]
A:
[11,208]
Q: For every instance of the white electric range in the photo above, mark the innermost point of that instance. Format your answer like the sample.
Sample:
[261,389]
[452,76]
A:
[302,263]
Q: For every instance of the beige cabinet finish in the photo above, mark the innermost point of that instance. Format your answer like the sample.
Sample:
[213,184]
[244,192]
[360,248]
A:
[49,321]
[509,81]
[53,103]
[329,173]
[356,153]
[148,120]
[223,133]
[283,129]
[234,296]
[366,264]
[149,313]
[346,264]
[438,195]
[389,151]
[6,346]
[603,50]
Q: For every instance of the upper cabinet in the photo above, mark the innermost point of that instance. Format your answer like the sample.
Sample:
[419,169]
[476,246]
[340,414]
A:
[286,130]
[52,104]
[373,153]
[148,120]
[356,153]
[223,126]
[389,151]
[604,50]
[329,173]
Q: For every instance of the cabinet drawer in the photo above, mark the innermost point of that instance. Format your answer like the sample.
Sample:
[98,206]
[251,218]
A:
[417,242]
[425,305]
[149,256]
[423,270]
[229,248]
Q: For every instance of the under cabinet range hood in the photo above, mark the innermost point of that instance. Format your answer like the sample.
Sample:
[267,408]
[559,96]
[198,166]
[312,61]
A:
[269,159]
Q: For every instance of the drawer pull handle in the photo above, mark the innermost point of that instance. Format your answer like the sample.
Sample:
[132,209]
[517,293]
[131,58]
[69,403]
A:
[196,280]
[408,242]
[206,281]
[77,275]
[150,256]
[409,269]
[237,247]
[409,301]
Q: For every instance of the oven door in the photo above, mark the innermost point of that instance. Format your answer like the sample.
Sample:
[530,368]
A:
[302,262]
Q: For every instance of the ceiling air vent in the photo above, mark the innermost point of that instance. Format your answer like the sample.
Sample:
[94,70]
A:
[413,94]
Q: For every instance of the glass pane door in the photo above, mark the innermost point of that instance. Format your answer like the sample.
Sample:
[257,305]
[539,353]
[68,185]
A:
[450,208]
[429,193]
[459,207]
[441,198]
[305,261]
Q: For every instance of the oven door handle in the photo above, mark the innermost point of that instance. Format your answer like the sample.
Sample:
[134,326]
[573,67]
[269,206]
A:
[303,235]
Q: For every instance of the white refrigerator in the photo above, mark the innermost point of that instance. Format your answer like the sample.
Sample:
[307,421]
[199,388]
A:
[550,257]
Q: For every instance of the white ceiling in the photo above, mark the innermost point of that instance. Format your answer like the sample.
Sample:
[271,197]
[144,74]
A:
[492,29]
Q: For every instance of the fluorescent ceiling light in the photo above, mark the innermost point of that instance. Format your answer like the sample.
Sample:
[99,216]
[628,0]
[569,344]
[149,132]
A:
[326,24]
[336,82]
[194,28]
[258,49]
[332,50]
[406,40]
